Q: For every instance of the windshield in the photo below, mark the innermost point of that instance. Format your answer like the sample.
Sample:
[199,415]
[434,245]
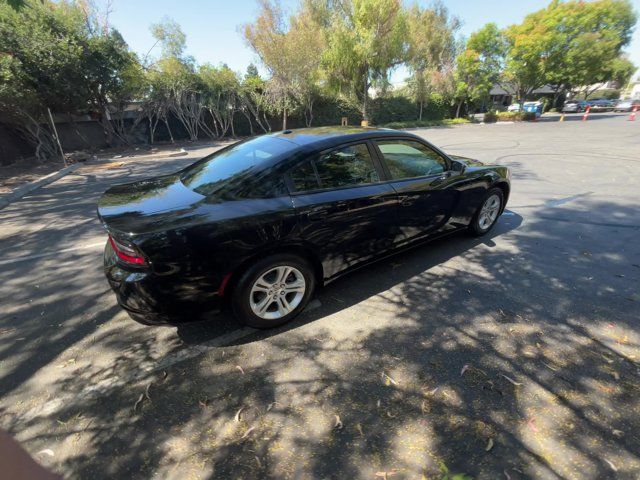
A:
[233,169]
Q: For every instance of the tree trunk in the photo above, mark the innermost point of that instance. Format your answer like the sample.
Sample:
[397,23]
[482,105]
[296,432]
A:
[166,122]
[284,118]
[420,114]
[366,94]
[459,107]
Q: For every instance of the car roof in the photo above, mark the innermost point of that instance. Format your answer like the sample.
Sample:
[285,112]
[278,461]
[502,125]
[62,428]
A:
[325,137]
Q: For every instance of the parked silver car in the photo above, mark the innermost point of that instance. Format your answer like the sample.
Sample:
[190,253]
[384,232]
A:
[627,105]
[574,106]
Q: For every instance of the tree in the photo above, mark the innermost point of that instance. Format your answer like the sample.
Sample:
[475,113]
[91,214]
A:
[480,65]
[221,90]
[64,60]
[170,36]
[365,40]
[252,72]
[291,53]
[569,45]
[432,50]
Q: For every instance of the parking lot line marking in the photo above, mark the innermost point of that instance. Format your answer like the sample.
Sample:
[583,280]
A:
[49,254]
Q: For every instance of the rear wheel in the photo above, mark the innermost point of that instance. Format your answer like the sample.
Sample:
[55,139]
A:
[487,215]
[273,291]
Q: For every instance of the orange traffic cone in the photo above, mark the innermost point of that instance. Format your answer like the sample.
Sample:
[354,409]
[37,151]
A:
[586,113]
[632,115]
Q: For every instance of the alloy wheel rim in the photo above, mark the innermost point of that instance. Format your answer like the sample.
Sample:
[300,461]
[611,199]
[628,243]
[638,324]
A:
[277,292]
[489,212]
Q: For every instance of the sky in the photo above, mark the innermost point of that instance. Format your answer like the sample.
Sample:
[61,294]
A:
[213,27]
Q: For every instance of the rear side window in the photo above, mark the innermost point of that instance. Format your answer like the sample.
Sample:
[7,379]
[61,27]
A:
[304,177]
[239,171]
[342,167]
[410,159]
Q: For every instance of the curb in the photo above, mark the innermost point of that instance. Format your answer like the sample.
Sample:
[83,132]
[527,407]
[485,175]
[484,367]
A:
[21,191]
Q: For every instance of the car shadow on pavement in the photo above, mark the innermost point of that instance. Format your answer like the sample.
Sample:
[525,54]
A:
[356,286]
[512,356]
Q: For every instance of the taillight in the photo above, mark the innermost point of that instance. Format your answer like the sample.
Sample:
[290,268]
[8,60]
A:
[127,253]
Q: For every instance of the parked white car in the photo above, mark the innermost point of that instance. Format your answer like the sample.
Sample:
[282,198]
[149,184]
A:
[514,107]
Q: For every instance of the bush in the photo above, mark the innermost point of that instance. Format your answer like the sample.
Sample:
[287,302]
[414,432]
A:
[426,123]
[508,116]
[514,116]
[491,116]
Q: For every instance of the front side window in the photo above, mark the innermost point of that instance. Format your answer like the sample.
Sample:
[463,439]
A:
[342,167]
[410,159]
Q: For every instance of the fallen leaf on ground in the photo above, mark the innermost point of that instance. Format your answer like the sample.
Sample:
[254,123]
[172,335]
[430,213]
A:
[338,423]
[46,451]
[359,428]
[511,380]
[464,369]
[146,391]
[271,405]
[489,445]
[434,391]
[138,402]
[388,380]
[240,368]
[506,474]
[386,475]
[613,467]
[248,432]
[532,424]
[618,433]
[238,413]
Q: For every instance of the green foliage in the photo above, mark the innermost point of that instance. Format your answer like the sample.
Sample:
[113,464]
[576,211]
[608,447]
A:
[170,36]
[570,44]
[491,116]
[426,123]
[61,59]
[291,53]
[365,39]
[480,65]
[431,51]
[511,116]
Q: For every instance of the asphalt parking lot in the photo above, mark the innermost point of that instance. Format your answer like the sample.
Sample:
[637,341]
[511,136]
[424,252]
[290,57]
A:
[512,356]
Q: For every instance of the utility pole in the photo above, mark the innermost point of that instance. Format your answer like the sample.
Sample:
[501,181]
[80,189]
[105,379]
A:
[55,133]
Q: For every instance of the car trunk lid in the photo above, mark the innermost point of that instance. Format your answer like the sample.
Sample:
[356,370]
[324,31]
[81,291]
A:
[147,205]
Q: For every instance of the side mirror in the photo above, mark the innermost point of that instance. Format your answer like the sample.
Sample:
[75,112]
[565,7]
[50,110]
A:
[457,166]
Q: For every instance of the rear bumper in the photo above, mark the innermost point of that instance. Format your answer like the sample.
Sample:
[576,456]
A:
[153,299]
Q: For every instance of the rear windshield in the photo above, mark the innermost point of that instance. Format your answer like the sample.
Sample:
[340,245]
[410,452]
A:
[237,170]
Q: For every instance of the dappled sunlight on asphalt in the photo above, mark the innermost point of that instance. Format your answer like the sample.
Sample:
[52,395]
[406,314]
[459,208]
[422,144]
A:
[511,356]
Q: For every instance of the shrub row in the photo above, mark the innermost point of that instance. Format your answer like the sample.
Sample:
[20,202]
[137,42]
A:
[426,123]
[492,117]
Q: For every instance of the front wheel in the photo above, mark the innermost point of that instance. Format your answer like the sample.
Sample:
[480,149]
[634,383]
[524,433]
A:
[273,291]
[487,215]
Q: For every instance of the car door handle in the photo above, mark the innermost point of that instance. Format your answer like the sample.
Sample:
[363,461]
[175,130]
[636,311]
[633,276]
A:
[441,178]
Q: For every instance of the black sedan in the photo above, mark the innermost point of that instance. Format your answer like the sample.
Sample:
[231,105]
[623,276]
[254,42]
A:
[260,224]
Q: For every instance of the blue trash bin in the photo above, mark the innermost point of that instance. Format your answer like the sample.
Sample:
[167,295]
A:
[533,107]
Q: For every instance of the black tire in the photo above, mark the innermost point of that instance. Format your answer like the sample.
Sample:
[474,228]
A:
[475,227]
[240,299]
